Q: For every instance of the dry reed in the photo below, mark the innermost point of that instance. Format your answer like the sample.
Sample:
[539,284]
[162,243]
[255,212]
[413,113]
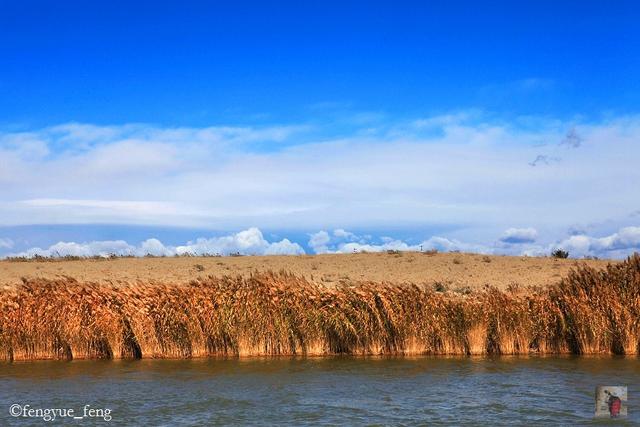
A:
[588,312]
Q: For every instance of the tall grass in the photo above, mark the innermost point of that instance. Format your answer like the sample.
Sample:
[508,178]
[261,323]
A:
[590,311]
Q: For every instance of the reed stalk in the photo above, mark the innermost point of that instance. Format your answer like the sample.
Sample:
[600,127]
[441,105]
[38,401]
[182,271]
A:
[588,312]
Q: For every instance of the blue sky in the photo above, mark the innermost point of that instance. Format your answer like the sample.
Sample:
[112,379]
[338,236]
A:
[198,64]
[500,127]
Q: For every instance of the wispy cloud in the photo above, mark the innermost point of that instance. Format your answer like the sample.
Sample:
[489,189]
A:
[516,88]
[572,139]
[542,159]
[6,243]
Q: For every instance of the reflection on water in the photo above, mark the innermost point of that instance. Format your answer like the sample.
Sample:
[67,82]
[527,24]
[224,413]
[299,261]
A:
[335,390]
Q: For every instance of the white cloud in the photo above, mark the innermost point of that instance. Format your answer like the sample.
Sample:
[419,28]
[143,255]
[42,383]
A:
[441,244]
[448,245]
[6,243]
[97,248]
[616,245]
[461,171]
[513,241]
[343,234]
[153,247]
[322,242]
[252,242]
[519,235]
[370,247]
[318,242]
[284,247]
[247,242]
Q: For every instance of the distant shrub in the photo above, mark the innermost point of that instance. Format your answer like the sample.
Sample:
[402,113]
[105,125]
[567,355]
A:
[58,257]
[486,259]
[431,252]
[559,253]
[439,287]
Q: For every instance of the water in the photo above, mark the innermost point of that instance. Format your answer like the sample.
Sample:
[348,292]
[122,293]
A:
[312,391]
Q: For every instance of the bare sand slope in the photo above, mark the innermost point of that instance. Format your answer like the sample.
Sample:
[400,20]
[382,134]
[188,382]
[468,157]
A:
[453,270]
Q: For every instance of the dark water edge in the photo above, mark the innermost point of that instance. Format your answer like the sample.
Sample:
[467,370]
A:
[540,390]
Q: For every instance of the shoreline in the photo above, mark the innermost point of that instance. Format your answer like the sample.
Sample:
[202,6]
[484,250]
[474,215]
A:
[340,356]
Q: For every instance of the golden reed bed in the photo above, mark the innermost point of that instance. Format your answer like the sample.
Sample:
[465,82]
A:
[590,311]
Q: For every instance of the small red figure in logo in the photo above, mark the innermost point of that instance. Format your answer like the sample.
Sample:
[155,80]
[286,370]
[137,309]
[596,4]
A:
[614,403]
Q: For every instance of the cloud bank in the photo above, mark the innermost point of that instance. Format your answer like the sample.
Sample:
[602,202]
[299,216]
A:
[342,241]
[467,174]
[616,245]
[513,241]
[247,242]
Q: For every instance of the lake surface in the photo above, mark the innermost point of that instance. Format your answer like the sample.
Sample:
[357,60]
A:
[312,391]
